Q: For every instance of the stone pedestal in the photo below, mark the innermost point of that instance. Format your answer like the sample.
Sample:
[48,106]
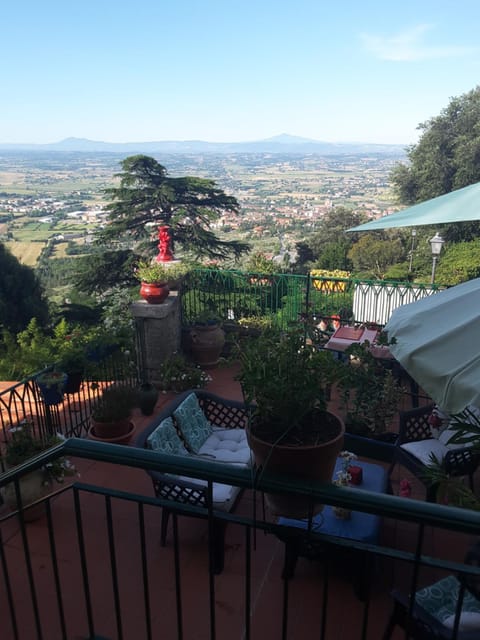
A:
[158,334]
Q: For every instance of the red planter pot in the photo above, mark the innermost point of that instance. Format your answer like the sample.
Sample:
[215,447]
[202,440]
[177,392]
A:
[154,293]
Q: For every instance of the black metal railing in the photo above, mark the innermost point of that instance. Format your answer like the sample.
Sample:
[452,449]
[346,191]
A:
[94,566]
[23,401]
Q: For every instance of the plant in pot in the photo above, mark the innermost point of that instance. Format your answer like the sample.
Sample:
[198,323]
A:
[20,447]
[72,362]
[290,431]
[207,338]
[178,374]
[153,277]
[69,353]
[369,393]
[52,385]
[110,414]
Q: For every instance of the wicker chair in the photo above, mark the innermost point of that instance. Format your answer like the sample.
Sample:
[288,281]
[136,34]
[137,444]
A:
[434,613]
[415,428]
[226,414]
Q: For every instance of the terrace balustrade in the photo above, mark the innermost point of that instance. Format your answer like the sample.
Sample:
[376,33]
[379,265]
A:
[93,566]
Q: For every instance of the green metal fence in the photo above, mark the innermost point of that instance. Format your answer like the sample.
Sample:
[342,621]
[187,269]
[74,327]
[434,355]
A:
[132,589]
[285,298]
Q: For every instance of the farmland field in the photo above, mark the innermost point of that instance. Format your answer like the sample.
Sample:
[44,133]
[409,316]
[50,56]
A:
[26,252]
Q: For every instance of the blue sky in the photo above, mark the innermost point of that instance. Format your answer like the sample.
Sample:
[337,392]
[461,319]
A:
[230,70]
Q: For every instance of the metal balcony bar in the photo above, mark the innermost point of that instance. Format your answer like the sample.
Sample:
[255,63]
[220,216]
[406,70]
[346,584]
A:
[76,591]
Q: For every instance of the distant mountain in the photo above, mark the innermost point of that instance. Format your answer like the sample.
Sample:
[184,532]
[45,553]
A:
[283,143]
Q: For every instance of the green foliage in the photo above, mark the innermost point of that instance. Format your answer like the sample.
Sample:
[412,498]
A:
[447,156]
[451,490]
[23,445]
[285,377]
[67,346]
[101,271]
[327,247]
[459,262]
[375,256]
[335,256]
[369,392]
[188,205]
[178,374]
[52,379]
[114,404]
[153,273]
[117,325]
[21,295]
[259,263]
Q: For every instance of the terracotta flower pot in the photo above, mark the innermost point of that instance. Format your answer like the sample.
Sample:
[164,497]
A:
[207,342]
[113,432]
[154,293]
[303,462]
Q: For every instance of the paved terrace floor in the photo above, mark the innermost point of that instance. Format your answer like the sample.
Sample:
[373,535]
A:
[306,589]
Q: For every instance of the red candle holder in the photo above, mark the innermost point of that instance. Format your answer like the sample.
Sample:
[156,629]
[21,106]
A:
[356,474]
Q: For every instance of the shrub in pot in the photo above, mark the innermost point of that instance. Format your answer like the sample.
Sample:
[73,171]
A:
[110,414]
[207,339]
[20,447]
[52,386]
[290,431]
[369,392]
[154,278]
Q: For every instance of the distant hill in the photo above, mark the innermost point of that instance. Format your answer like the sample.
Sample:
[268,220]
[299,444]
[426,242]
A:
[283,143]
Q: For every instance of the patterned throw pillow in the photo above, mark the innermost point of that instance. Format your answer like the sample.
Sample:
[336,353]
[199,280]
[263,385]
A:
[165,439]
[192,422]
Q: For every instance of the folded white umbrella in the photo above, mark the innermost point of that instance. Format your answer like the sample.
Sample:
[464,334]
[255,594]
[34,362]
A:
[438,343]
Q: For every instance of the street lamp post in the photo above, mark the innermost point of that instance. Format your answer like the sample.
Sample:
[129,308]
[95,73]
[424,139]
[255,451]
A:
[410,264]
[436,244]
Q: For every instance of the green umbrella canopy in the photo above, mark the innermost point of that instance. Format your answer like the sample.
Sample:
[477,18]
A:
[436,341]
[457,206]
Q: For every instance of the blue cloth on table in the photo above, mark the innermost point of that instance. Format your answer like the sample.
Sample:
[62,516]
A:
[363,527]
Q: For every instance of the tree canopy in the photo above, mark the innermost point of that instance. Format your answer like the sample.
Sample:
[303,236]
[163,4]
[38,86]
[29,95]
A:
[447,156]
[327,248]
[21,296]
[147,194]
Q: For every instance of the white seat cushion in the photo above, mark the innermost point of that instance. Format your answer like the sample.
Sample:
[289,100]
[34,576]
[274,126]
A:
[227,445]
[422,449]
[447,434]
[469,621]
[224,495]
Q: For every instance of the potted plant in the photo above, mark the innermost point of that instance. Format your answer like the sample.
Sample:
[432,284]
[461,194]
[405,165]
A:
[369,392]
[52,385]
[286,380]
[20,447]
[153,277]
[72,362]
[110,414]
[178,374]
[207,338]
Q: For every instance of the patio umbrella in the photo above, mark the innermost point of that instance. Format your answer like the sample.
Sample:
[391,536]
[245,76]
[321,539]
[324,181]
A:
[457,206]
[438,343]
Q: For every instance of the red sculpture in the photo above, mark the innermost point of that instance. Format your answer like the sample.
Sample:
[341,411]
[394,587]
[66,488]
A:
[165,245]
